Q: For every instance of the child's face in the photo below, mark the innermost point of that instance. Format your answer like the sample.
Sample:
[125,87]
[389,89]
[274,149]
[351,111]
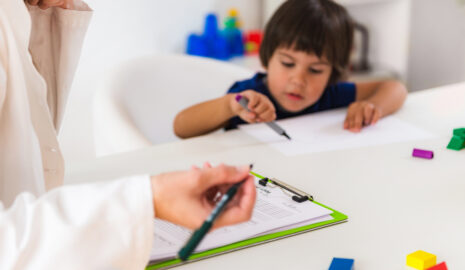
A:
[297,79]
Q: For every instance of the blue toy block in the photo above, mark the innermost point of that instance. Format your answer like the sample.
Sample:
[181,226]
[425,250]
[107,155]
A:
[235,41]
[211,26]
[218,49]
[196,45]
[211,43]
[215,43]
[342,264]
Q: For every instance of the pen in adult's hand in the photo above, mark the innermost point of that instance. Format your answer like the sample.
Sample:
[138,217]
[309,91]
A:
[200,233]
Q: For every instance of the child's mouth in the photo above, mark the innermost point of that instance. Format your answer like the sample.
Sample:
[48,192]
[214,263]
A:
[294,97]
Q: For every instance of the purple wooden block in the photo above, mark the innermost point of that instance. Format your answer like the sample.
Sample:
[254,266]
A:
[422,153]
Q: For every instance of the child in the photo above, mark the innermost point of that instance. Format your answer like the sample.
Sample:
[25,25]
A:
[305,51]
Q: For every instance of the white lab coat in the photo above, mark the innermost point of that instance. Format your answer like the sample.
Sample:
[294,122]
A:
[43,225]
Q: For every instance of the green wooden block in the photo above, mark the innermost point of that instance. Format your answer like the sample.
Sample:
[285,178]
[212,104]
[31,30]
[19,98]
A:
[456,143]
[460,132]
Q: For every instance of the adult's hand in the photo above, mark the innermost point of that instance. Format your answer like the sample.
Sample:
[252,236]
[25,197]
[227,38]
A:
[187,198]
[44,4]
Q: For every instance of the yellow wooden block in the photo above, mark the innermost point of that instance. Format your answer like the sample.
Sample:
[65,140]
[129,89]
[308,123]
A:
[233,12]
[421,260]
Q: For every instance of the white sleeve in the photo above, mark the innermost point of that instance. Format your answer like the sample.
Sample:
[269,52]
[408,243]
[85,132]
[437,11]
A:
[105,225]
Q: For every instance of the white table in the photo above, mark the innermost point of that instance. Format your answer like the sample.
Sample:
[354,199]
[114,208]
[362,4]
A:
[396,204]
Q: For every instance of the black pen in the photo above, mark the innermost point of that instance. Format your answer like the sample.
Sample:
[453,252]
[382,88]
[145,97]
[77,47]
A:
[199,234]
[245,102]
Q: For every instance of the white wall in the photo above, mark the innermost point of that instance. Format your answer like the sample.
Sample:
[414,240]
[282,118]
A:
[122,29]
[388,24]
[437,50]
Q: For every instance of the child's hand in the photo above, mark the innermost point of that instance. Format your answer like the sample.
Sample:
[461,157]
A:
[260,107]
[360,114]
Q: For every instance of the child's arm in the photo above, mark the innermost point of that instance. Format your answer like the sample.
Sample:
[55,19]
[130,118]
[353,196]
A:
[213,114]
[374,100]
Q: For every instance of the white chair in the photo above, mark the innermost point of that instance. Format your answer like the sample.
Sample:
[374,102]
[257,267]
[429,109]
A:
[136,103]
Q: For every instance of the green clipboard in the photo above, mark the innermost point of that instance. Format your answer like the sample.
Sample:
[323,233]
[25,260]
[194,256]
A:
[338,218]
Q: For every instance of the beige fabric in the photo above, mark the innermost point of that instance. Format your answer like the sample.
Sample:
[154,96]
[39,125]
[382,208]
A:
[93,226]
[55,43]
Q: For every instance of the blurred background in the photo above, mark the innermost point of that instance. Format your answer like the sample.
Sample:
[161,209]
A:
[421,42]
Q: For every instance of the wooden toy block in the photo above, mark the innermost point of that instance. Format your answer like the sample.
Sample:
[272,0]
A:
[342,264]
[460,132]
[456,143]
[422,153]
[421,260]
[441,266]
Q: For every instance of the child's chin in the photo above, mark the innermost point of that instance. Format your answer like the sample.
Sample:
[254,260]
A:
[293,109]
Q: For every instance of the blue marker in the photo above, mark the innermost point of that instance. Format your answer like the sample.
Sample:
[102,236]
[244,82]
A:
[245,102]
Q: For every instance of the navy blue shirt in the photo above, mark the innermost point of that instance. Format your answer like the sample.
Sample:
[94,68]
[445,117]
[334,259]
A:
[335,96]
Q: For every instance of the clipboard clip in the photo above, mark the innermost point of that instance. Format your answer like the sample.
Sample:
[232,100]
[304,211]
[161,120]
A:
[299,196]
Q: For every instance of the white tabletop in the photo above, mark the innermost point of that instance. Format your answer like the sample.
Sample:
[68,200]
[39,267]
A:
[396,204]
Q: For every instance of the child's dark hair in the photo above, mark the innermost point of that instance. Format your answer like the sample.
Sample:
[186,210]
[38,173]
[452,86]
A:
[322,27]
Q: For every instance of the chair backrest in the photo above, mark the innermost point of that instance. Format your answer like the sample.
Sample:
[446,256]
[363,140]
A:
[144,95]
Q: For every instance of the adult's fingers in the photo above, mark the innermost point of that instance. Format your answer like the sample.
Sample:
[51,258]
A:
[207,165]
[43,6]
[223,174]
[32,2]
[242,211]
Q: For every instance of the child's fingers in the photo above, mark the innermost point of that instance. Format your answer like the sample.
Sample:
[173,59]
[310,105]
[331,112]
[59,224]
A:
[347,120]
[368,112]
[376,116]
[267,116]
[358,121]
[254,100]
[264,106]
[349,117]
[249,117]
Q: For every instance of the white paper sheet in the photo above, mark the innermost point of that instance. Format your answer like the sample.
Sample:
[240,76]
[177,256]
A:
[324,132]
[274,211]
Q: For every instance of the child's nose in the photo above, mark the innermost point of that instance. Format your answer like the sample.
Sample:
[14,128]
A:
[298,78]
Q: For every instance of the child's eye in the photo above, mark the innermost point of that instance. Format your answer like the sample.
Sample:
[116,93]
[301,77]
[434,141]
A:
[286,64]
[315,71]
